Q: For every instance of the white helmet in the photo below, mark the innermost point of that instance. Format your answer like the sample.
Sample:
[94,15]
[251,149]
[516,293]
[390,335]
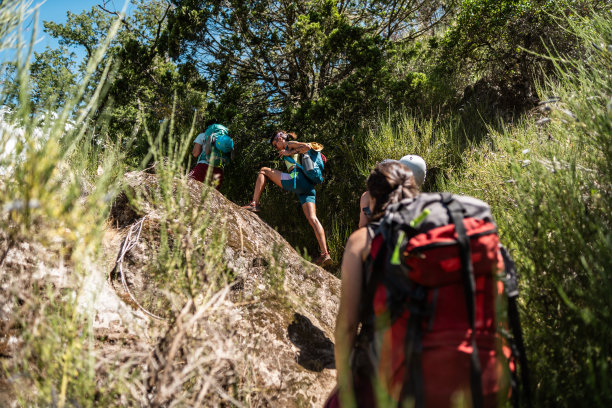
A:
[417,165]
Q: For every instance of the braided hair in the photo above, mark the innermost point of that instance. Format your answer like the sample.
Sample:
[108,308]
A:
[389,183]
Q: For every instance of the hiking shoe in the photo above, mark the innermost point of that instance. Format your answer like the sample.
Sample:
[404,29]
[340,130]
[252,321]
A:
[252,207]
[323,260]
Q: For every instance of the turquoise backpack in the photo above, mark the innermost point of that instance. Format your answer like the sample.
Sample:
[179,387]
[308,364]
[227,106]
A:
[313,172]
[219,146]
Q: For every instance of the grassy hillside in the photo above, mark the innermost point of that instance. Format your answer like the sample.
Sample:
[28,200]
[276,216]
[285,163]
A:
[545,170]
[548,180]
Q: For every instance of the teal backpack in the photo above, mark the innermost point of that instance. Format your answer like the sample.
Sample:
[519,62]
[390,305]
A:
[312,166]
[219,146]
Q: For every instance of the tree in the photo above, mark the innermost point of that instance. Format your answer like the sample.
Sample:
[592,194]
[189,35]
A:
[144,78]
[292,51]
[53,74]
[503,44]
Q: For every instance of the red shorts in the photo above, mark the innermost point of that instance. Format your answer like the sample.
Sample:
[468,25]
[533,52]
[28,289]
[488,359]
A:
[199,173]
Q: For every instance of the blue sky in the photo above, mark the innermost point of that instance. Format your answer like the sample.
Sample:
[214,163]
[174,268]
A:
[55,10]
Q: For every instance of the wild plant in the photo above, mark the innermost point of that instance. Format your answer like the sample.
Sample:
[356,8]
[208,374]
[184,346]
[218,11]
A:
[548,179]
[59,180]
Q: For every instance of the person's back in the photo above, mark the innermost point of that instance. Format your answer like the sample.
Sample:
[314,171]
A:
[428,305]
[355,386]
[428,334]
[214,149]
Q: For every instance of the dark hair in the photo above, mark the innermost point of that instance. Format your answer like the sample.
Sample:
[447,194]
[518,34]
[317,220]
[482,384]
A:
[390,183]
[284,133]
[210,122]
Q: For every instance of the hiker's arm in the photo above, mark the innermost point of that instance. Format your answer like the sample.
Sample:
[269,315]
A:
[297,147]
[208,145]
[197,149]
[348,313]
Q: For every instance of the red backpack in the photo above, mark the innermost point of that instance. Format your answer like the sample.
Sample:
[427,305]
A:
[435,284]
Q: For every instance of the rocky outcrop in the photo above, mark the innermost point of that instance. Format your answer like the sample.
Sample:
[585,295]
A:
[262,337]
[268,335]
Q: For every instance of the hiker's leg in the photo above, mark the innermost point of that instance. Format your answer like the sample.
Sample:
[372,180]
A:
[310,211]
[264,174]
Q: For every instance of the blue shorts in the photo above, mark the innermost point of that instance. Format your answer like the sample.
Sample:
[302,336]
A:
[303,187]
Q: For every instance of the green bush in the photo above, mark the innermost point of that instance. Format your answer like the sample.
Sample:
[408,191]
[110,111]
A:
[548,182]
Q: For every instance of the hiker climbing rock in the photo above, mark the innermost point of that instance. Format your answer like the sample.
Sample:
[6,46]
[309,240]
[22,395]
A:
[415,163]
[304,165]
[214,149]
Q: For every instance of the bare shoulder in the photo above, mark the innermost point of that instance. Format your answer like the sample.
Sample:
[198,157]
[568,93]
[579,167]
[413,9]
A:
[358,242]
[358,235]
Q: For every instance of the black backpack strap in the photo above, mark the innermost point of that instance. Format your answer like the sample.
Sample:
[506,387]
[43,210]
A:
[515,325]
[455,210]
[413,385]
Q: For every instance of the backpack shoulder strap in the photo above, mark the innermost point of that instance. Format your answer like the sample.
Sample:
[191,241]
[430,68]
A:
[372,227]
[208,145]
[455,211]
[371,265]
[515,325]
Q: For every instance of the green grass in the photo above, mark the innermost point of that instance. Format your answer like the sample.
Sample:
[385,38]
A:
[52,198]
[56,192]
[549,185]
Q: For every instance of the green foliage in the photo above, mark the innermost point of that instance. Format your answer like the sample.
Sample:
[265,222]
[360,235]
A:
[58,180]
[549,185]
[318,67]
[142,80]
[53,77]
[311,65]
[396,136]
[362,79]
[292,51]
[53,199]
[496,49]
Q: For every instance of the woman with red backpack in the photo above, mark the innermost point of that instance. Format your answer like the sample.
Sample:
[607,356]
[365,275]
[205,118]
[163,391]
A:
[421,280]
[389,182]
[296,181]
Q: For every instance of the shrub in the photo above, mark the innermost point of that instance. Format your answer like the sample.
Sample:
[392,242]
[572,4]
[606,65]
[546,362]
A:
[549,184]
